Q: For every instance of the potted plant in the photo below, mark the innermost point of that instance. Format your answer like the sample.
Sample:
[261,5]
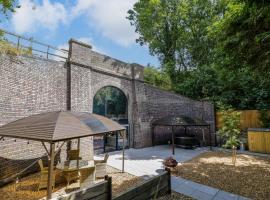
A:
[170,162]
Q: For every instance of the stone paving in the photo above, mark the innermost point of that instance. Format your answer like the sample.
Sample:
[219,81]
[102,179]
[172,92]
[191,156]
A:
[147,162]
[201,192]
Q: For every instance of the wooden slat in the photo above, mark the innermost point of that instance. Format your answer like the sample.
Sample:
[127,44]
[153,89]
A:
[97,192]
[267,142]
[256,141]
[147,189]
[248,119]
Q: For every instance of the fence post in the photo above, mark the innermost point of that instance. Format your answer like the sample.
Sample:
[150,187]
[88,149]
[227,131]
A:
[169,180]
[18,43]
[109,187]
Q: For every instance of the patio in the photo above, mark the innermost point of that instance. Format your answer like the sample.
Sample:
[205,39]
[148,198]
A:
[147,162]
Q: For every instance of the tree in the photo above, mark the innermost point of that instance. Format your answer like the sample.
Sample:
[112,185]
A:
[176,32]
[110,101]
[243,34]
[210,49]
[7,6]
[157,77]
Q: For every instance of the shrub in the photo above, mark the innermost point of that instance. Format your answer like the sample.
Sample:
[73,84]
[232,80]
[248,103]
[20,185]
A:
[265,118]
[230,130]
[8,48]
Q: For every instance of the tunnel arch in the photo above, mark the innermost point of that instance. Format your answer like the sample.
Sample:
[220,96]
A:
[111,102]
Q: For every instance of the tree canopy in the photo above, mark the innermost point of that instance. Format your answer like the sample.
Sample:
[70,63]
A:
[216,50]
[7,6]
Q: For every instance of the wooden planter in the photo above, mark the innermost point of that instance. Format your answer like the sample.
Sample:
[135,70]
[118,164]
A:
[259,140]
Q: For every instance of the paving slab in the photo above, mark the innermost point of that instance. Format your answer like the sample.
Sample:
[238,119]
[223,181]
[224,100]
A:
[226,196]
[201,195]
[208,190]
[184,189]
[147,162]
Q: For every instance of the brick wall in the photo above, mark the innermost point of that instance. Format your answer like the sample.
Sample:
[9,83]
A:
[153,104]
[145,103]
[28,85]
[31,85]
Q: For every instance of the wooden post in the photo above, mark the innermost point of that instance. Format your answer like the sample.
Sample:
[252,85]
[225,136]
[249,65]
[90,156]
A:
[210,137]
[169,180]
[109,189]
[234,155]
[153,135]
[78,148]
[173,140]
[50,171]
[123,155]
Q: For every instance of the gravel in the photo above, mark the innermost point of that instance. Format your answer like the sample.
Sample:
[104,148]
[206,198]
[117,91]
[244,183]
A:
[27,188]
[250,177]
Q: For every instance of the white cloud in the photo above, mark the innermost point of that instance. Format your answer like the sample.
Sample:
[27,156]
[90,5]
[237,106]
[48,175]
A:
[109,17]
[31,16]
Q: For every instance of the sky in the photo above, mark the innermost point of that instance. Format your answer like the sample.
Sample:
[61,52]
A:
[101,23]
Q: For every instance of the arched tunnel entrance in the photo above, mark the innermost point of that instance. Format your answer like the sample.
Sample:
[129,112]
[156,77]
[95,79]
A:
[111,102]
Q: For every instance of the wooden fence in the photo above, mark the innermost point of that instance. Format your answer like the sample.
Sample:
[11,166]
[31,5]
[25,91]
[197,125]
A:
[153,187]
[248,118]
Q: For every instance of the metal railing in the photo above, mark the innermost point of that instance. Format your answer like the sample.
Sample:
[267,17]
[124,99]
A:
[37,48]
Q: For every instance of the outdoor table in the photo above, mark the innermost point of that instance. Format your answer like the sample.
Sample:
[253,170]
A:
[72,164]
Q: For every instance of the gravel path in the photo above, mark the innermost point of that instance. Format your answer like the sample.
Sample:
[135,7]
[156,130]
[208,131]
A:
[250,177]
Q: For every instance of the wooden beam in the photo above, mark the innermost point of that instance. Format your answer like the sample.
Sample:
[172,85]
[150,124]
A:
[48,153]
[50,171]
[78,148]
[123,153]
[210,137]
[173,140]
[57,151]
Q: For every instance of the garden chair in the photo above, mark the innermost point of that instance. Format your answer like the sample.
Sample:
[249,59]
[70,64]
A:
[102,161]
[43,180]
[73,155]
[71,175]
[87,176]
[42,168]
[101,170]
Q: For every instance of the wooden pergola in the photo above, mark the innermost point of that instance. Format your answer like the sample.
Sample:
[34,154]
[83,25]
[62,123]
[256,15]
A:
[60,126]
[178,121]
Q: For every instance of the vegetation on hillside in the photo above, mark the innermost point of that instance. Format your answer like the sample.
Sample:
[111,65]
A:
[217,50]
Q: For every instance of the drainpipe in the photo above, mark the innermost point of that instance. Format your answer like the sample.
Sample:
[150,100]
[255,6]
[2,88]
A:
[68,98]
[134,105]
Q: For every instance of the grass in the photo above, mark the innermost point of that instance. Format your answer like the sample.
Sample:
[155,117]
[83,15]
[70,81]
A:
[250,177]
[8,48]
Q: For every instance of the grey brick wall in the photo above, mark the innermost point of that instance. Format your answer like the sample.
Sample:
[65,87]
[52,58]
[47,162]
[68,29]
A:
[31,85]
[154,104]
[145,103]
[28,85]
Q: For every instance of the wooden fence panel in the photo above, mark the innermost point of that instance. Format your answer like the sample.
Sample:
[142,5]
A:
[99,191]
[158,185]
[248,119]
